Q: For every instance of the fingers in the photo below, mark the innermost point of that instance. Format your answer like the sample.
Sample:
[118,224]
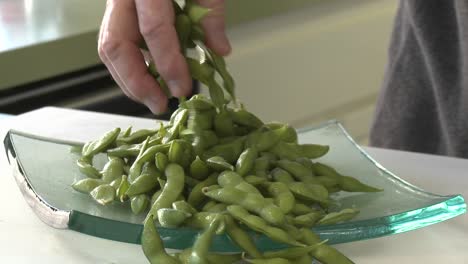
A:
[214,26]
[118,49]
[156,23]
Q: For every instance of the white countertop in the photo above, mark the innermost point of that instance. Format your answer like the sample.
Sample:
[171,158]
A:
[25,239]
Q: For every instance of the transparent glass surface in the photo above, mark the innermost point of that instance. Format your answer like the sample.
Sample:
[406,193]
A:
[48,168]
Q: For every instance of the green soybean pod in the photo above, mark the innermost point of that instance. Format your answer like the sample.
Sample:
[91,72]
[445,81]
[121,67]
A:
[313,151]
[304,259]
[176,151]
[229,178]
[218,163]
[173,131]
[101,144]
[171,218]
[246,161]
[297,170]
[198,169]
[286,133]
[337,217]
[127,132]
[290,253]
[301,209]
[323,252]
[182,205]
[245,118]
[142,184]
[116,183]
[155,196]
[306,162]
[139,203]
[325,170]
[208,205]
[86,185]
[150,168]
[197,33]
[255,180]
[309,192]
[217,208]
[282,196]
[285,150]
[202,72]
[216,93]
[122,189]
[309,219]
[195,12]
[183,26]
[191,182]
[223,124]
[152,245]
[196,196]
[200,120]
[202,220]
[161,160]
[229,151]
[136,137]
[103,194]
[87,169]
[261,166]
[202,244]
[281,175]
[113,169]
[140,160]
[270,157]
[197,103]
[327,182]
[267,140]
[350,184]
[220,66]
[172,189]
[125,151]
[253,202]
[240,237]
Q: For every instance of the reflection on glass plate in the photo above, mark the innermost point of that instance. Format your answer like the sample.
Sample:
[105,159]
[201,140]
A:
[45,169]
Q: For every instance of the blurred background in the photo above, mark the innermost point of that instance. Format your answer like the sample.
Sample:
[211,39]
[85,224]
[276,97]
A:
[300,62]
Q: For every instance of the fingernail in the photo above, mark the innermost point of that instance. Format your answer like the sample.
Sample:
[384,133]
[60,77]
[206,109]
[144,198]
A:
[176,88]
[154,104]
[221,42]
[227,45]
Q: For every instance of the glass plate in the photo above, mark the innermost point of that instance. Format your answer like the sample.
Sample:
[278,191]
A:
[45,168]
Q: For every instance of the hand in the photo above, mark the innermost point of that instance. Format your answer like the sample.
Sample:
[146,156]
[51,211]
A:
[127,22]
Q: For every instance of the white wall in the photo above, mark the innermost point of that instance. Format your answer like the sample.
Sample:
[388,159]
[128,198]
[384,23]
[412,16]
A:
[322,62]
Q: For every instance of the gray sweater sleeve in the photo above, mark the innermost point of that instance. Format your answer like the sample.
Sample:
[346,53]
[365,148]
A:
[423,104]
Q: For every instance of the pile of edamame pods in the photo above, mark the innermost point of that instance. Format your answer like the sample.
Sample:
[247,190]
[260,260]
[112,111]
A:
[218,168]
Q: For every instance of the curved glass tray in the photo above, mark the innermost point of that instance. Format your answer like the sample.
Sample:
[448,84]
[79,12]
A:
[45,169]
